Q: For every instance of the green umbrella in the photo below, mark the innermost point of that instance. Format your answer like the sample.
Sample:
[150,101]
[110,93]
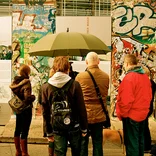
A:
[68,44]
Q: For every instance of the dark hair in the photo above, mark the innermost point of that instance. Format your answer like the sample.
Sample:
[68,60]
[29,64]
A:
[61,64]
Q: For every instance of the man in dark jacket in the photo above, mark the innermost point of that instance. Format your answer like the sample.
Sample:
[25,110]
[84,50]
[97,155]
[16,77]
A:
[59,79]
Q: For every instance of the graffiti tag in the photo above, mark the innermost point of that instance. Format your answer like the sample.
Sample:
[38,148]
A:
[133,20]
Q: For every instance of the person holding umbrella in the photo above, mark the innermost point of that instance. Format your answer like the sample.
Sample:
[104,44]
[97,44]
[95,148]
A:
[72,73]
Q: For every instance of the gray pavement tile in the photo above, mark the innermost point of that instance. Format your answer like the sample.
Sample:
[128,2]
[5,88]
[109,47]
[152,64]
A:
[6,150]
[39,146]
[42,150]
[5,113]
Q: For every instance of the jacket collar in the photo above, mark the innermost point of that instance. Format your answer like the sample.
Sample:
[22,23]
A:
[92,66]
[137,69]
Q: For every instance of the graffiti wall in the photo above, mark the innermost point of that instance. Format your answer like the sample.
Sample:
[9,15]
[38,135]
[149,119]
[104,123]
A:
[5,38]
[133,32]
[30,23]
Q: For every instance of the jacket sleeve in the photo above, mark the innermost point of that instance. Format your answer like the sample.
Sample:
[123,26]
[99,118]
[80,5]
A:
[26,91]
[46,112]
[125,98]
[81,107]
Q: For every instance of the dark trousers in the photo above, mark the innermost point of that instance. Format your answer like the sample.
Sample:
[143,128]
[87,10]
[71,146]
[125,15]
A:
[95,131]
[147,136]
[23,122]
[61,142]
[133,137]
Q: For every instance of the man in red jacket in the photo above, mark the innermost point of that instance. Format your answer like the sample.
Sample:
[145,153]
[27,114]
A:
[133,102]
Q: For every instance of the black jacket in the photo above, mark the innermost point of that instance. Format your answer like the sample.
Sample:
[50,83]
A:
[78,106]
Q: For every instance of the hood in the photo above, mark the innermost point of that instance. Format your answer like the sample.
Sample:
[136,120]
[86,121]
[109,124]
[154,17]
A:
[137,69]
[14,85]
[59,79]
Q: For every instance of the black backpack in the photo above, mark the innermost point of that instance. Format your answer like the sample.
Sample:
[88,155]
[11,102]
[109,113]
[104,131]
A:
[61,118]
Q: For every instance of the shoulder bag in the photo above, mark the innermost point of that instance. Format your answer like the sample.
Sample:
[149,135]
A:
[107,123]
[17,104]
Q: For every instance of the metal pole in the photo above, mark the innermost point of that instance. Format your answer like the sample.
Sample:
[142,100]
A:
[99,7]
[64,7]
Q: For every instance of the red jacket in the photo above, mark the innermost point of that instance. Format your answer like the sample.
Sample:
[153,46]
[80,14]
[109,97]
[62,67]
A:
[134,96]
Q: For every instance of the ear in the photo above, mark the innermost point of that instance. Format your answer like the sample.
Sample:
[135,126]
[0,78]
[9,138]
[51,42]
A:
[127,64]
[98,61]
[86,61]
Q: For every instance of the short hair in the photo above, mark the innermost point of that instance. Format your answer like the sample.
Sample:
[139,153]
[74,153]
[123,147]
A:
[131,59]
[24,70]
[92,57]
[61,64]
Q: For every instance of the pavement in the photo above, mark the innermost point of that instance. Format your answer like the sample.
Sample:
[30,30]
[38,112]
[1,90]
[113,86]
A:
[8,149]
[37,144]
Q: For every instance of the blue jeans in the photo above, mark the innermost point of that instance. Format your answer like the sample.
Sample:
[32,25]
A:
[133,137]
[95,131]
[61,142]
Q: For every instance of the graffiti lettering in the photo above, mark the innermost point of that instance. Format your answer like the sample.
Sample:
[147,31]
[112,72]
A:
[133,19]
[144,16]
[16,19]
[27,22]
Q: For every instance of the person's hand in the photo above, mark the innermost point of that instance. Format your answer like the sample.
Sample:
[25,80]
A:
[51,138]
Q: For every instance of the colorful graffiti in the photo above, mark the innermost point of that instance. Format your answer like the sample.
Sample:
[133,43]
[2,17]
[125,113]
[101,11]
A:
[138,22]
[34,2]
[30,23]
[133,32]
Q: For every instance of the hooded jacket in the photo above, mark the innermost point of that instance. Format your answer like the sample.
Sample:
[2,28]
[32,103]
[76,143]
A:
[134,95]
[58,80]
[21,87]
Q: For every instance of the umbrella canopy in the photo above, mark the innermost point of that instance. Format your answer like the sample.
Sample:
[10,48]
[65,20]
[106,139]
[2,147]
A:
[68,44]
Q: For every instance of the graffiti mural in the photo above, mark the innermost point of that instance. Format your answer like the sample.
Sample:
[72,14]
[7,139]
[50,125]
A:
[133,32]
[30,23]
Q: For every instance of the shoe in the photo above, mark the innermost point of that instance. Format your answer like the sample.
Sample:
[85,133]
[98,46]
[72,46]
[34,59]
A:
[18,146]
[24,147]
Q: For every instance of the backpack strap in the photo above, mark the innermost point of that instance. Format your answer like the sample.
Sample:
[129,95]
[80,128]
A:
[67,85]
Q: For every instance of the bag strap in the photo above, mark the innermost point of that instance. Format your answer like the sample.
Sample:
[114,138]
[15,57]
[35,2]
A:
[98,92]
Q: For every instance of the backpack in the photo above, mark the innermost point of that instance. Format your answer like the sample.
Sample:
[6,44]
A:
[61,117]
